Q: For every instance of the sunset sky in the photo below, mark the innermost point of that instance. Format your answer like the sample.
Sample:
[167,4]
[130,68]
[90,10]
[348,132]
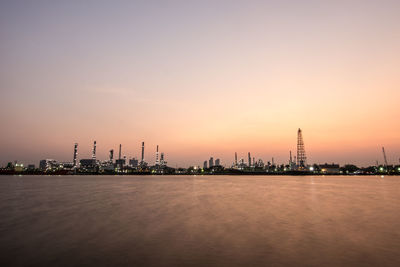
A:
[200,79]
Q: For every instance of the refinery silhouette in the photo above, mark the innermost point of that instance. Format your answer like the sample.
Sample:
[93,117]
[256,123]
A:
[296,165]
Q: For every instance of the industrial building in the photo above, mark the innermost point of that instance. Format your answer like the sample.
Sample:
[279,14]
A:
[211,162]
[48,164]
[329,168]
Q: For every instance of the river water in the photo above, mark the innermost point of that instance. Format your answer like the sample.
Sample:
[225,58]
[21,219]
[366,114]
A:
[199,221]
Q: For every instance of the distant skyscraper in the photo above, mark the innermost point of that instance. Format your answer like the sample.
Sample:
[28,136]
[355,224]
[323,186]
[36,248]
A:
[217,162]
[205,164]
[211,162]
[301,153]
[94,150]
[75,154]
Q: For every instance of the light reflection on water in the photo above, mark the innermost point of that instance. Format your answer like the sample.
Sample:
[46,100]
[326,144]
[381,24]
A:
[199,221]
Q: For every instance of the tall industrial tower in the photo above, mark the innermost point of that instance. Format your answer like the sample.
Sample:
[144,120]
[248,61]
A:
[162,159]
[75,153]
[142,152]
[236,159]
[94,150]
[119,153]
[301,153]
[157,160]
[111,155]
[384,156]
[249,159]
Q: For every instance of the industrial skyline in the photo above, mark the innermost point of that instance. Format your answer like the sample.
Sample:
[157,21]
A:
[298,163]
[227,158]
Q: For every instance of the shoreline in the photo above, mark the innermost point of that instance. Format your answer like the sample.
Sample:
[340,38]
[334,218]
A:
[198,174]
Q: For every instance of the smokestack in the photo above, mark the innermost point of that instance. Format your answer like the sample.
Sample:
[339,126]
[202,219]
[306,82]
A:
[249,160]
[75,153]
[111,155]
[157,161]
[119,155]
[235,158]
[142,151]
[94,150]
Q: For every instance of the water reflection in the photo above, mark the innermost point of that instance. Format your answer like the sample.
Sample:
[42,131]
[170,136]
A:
[200,221]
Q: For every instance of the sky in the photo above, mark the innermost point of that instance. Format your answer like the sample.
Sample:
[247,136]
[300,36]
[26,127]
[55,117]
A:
[200,79]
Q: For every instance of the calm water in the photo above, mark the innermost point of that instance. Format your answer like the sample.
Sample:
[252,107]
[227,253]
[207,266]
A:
[199,221]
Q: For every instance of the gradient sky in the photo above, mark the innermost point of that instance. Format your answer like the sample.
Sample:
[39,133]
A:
[201,79]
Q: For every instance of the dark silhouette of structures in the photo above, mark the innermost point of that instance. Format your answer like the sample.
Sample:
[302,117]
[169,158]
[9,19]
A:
[142,161]
[111,155]
[75,154]
[384,157]
[301,153]
[157,160]
[236,159]
[211,162]
[94,151]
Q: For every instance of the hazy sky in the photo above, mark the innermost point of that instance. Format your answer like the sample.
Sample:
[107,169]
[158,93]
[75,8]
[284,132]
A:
[201,79]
